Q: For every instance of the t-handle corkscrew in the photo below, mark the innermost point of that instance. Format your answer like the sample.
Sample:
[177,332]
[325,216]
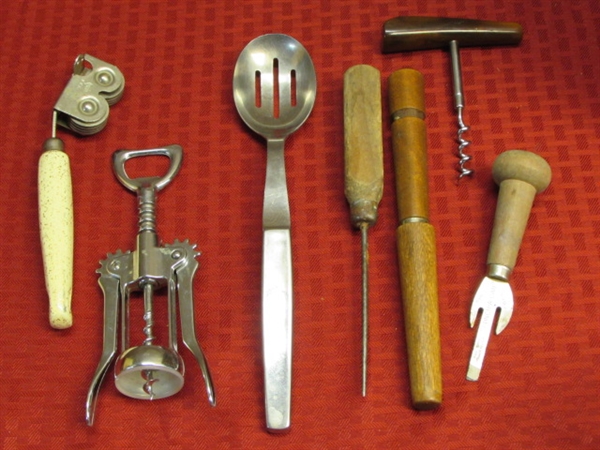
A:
[422,33]
[149,371]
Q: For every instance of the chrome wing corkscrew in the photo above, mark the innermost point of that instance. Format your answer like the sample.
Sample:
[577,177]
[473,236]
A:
[148,371]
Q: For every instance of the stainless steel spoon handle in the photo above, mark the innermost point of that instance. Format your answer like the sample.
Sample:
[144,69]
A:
[277,306]
[277,292]
[276,206]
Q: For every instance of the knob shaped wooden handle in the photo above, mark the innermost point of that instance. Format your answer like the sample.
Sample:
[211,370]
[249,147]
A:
[521,175]
[416,239]
[56,230]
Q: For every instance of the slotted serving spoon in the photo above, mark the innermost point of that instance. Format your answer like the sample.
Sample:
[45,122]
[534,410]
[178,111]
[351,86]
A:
[274,88]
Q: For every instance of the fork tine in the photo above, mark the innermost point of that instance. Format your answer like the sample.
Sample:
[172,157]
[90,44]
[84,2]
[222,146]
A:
[503,318]
[474,313]
[480,301]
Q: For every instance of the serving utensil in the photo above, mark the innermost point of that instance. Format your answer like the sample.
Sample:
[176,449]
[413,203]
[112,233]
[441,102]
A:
[274,88]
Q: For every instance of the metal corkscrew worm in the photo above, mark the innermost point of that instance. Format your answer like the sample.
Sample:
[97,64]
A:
[148,371]
[459,105]
[463,158]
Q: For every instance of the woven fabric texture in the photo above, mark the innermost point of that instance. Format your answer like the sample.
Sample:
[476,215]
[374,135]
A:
[540,384]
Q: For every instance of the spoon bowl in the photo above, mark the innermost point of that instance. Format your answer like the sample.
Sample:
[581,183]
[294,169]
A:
[274,85]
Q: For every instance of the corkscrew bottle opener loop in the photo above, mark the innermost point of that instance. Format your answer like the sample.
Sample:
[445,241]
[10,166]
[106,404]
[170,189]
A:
[148,371]
[135,184]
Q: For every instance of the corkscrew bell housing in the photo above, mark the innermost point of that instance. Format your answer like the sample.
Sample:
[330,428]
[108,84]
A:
[148,371]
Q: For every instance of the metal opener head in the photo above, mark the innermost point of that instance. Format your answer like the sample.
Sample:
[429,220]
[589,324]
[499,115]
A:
[83,106]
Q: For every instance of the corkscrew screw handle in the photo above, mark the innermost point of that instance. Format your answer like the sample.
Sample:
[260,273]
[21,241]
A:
[120,157]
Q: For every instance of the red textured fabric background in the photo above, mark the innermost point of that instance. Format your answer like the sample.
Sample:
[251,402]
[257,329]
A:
[540,385]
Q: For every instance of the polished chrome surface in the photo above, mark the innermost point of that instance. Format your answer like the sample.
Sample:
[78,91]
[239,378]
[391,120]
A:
[148,371]
[274,88]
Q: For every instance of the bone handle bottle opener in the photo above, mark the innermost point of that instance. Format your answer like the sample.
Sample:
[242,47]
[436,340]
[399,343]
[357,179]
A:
[83,108]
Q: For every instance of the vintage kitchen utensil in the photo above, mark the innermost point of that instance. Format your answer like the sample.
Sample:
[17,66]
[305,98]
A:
[363,156]
[274,88]
[520,175]
[83,108]
[416,238]
[148,371]
[422,33]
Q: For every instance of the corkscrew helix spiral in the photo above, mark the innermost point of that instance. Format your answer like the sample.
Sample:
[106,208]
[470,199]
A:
[463,158]
[459,104]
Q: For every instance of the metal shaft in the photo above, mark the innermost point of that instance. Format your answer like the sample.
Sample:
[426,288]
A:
[365,304]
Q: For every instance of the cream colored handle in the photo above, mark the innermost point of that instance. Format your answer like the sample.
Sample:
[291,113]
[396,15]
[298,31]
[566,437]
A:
[521,175]
[55,195]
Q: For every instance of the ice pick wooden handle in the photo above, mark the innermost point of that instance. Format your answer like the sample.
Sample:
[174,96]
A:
[416,239]
[363,146]
[521,175]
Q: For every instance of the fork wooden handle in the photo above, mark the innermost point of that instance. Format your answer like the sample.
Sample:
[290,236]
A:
[416,239]
[521,175]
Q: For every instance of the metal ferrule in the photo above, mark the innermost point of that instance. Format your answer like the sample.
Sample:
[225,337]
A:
[414,220]
[499,272]
[408,112]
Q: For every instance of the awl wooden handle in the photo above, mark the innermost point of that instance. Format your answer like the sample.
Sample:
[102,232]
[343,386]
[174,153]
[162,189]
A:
[55,197]
[416,239]
[521,175]
[363,142]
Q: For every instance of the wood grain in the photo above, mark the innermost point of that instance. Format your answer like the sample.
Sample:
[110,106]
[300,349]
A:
[363,143]
[416,239]
[418,268]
